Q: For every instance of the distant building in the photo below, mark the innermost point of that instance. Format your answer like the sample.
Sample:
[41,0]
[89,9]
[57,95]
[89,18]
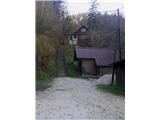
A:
[80,37]
[94,61]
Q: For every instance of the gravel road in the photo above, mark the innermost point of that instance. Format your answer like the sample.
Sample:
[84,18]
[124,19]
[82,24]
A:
[72,98]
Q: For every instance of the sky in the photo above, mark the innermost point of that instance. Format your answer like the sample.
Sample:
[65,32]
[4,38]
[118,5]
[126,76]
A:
[81,6]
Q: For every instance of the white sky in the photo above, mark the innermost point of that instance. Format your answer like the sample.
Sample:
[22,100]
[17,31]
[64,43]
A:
[81,6]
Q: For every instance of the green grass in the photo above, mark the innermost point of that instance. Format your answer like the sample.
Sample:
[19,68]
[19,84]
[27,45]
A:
[72,70]
[42,80]
[51,67]
[112,89]
[71,65]
[45,76]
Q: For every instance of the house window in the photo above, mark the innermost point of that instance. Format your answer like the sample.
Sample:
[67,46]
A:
[75,36]
[70,37]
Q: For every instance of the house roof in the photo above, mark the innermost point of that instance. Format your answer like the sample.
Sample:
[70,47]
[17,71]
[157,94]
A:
[79,31]
[102,56]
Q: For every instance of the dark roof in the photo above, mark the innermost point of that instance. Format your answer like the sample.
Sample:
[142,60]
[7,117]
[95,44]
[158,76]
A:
[79,31]
[102,56]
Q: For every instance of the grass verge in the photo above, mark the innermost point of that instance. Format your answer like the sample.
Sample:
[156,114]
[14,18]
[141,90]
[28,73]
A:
[45,76]
[112,89]
[42,80]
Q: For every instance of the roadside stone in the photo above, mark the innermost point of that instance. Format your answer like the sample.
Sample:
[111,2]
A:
[106,79]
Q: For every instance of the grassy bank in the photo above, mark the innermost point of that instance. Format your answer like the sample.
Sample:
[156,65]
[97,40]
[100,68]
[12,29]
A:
[112,89]
[42,80]
[71,65]
[45,76]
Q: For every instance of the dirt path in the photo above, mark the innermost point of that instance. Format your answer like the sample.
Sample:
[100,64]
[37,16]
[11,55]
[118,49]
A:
[71,98]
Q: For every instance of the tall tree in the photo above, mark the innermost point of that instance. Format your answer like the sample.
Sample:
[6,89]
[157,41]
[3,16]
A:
[92,22]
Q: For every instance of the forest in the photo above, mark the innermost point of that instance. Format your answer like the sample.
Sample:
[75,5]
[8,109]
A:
[53,25]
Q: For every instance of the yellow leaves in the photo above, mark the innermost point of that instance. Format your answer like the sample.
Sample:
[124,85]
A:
[45,47]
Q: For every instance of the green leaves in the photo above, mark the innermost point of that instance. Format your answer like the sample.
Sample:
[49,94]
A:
[92,16]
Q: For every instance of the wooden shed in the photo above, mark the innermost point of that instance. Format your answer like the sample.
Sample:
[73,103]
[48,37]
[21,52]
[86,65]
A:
[94,61]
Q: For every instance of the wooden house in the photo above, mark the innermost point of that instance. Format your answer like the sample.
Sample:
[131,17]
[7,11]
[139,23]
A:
[94,61]
[80,37]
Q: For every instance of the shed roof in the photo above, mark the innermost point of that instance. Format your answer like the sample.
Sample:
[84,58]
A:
[102,56]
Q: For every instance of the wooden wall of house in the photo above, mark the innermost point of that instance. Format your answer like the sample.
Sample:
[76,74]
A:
[83,40]
[105,70]
[88,67]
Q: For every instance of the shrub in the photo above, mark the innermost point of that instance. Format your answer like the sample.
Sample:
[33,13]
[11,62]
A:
[45,60]
[42,80]
[71,65]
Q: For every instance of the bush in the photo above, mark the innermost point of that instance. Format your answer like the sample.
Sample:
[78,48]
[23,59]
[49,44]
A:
[45,48]
[51,66]
[71,65]
[46,67]
[44,76]
[42,80]
[72,69]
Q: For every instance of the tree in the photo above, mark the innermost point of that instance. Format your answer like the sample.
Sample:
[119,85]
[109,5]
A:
[92,22]
[51,27]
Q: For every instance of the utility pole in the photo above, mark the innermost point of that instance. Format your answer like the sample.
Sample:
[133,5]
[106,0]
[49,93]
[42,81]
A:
[119,46]
[113,71]
[119,35]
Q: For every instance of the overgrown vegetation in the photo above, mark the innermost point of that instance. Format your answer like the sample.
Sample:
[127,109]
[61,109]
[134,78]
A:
[52,25]
[112,89]
[45,61]
[42,80]
[71,65]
